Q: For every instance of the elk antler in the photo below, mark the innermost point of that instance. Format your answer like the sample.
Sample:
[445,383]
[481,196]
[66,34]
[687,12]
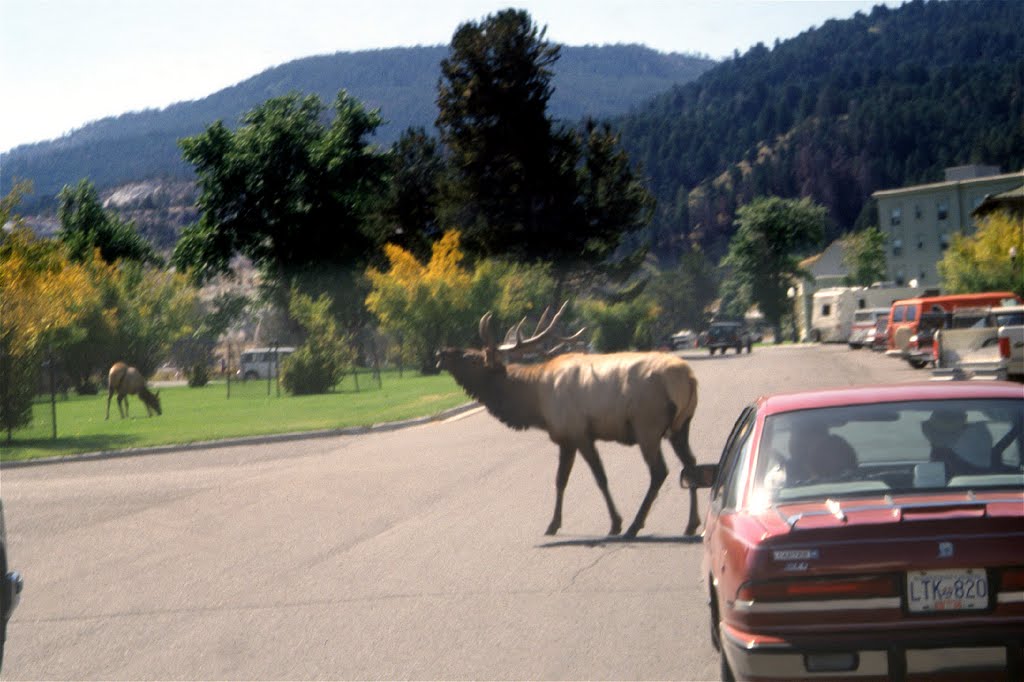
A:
[487,338]
[521,344]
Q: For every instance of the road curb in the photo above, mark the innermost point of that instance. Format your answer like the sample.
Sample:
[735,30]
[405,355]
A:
[247,440]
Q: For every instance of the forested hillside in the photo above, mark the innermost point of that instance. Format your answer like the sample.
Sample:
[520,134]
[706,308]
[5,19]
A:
[589,81]
[875,101]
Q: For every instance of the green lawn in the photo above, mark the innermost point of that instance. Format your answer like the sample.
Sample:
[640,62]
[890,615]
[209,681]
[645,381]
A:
[202,414]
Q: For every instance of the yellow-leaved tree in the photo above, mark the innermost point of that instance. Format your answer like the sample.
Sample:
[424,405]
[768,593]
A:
[427,306]
[990,260]
[43,295]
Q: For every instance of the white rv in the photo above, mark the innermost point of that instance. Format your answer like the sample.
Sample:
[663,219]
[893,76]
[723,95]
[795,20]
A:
[262,363]
[834,308]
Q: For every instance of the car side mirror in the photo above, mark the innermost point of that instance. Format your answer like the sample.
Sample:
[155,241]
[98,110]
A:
[703,478]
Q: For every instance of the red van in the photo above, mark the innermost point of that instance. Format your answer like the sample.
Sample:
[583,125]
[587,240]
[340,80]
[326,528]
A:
[905,315]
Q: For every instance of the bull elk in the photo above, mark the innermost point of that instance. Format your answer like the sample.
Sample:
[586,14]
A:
[578,398]
[125,381]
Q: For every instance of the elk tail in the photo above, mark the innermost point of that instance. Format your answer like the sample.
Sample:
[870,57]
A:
[682,390]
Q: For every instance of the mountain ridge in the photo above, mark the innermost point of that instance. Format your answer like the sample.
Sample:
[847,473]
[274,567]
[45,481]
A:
[599,81]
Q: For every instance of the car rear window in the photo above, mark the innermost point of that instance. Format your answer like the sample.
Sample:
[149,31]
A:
[1008,319]
[892,448]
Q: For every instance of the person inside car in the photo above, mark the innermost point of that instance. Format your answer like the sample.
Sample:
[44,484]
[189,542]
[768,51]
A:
[817,456]
[959,446]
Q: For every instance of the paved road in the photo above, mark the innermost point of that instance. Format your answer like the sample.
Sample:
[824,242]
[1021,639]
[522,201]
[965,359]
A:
[415,554]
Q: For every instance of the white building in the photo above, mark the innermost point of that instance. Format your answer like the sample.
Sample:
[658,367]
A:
[920,221]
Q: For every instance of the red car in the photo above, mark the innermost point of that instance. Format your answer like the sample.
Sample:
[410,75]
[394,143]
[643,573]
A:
[871,533]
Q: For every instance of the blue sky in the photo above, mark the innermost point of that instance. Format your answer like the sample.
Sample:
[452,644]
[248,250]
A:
[64,63]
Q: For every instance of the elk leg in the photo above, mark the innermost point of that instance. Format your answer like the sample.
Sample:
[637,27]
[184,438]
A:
[681,444]
[591,457]
[120,398]
[110,394]
[566,456]
[659,472]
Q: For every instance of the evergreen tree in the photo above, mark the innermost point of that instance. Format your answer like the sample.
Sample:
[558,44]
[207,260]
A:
[520,186]
[85,226]
[408,214]
[512,176]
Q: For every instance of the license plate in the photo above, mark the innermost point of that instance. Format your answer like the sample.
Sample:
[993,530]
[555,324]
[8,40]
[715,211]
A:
[960,590]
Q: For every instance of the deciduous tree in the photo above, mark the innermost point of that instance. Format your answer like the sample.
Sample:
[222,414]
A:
[426,305]
[990,260]
[290,192]
[864,257]
[42,296]
[763,258]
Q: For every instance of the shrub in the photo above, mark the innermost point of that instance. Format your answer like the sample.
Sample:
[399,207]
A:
[304,373]
[199,375]
[319,363]
[620,326]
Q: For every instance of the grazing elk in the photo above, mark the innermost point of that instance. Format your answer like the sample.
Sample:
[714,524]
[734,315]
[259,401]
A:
[631,398]
[125,381]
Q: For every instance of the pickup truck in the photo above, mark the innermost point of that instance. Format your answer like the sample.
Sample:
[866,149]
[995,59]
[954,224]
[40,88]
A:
[993,350]
[723,335]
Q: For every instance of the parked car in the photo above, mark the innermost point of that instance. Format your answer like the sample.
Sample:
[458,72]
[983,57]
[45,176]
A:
[684,338]
[864,324]
[10,589]
[870,533]
[724,335]
[262,363]
[877,338]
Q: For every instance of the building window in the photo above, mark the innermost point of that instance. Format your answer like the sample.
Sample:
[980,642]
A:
[917,211]
[897,247]
[826,310]
[896,216]
[942,210]
[943,241]
[921,277]
[920,242]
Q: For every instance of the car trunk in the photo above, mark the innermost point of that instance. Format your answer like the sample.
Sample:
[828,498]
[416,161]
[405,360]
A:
[831,565]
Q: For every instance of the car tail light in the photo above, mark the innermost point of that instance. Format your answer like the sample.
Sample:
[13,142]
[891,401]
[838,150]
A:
[1012,580]
[808,589]
[1004,347]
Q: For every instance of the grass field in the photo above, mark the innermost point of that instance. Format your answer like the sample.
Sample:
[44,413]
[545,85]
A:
[203,414]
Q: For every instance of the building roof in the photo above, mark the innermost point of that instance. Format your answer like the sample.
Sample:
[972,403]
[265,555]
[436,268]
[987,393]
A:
[828,263]
[950,183]
[1012,201]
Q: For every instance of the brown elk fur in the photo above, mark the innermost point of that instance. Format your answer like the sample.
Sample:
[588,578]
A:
[125,381]
[631,398]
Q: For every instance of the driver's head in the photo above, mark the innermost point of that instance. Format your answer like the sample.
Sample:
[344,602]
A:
[807,438]
[944,427]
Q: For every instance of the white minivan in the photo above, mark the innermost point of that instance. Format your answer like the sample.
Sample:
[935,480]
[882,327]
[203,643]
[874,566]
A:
[260,363]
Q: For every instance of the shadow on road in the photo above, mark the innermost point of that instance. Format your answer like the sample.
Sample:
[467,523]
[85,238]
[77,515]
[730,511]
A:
[618,540]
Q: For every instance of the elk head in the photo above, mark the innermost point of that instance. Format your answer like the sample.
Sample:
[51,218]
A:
[488,357]
[514,341]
